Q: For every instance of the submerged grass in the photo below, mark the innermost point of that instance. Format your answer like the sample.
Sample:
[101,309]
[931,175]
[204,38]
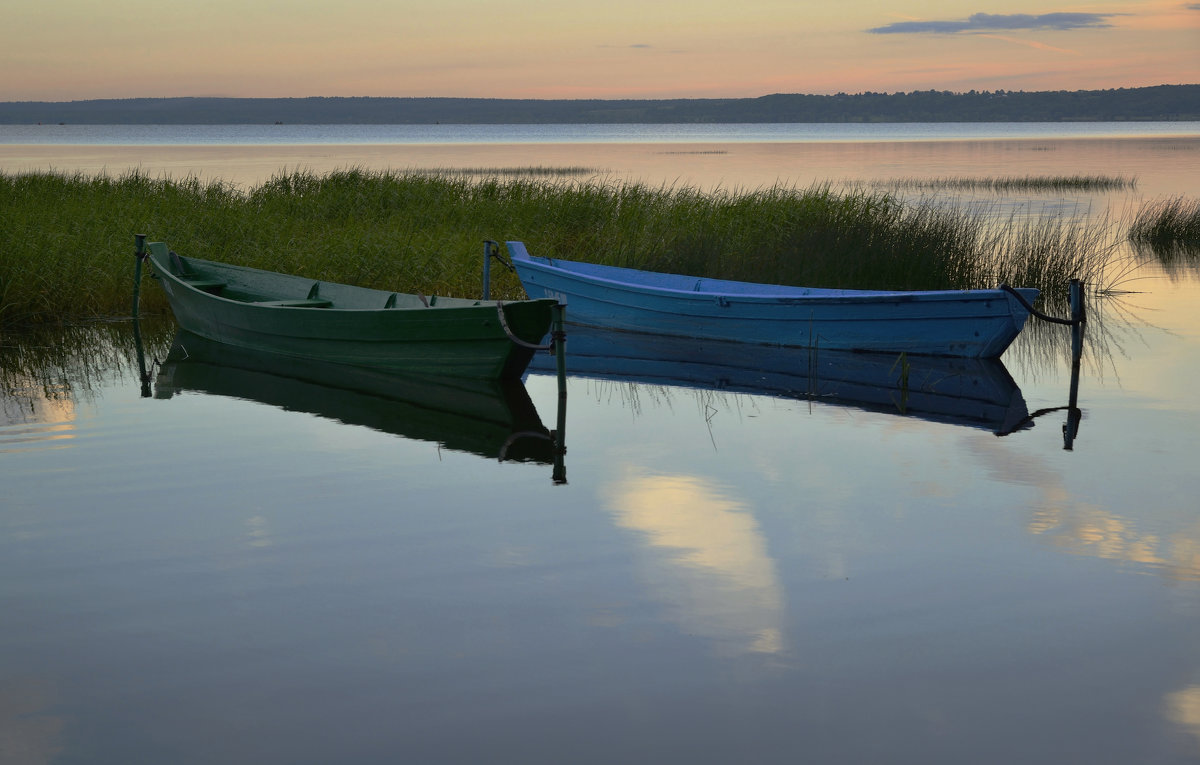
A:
[1166,224]
[533,171]
[1009,184]
[66,240]
[1168,232]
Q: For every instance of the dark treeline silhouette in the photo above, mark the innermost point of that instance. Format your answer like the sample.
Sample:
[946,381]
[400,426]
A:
[1162,102]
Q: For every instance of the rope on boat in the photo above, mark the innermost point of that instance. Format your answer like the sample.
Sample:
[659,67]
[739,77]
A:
[518,436]
[1029,418]
[501,259]
[1052,319]
[514,338]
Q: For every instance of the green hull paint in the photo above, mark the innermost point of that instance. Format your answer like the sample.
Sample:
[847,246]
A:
[298,317]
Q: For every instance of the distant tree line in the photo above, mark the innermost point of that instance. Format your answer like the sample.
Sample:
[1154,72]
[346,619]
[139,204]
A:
[1162,102]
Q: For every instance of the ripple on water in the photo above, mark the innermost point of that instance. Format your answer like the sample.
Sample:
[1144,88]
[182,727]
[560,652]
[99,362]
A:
[35,417]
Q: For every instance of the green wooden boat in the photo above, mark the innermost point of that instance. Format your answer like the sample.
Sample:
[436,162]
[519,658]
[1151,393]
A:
[337,323]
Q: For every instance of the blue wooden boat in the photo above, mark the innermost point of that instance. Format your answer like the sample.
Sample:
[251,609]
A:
[969,323]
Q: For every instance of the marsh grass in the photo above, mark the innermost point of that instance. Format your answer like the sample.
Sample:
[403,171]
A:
[66,240]
[1169,230]
[535,171]
[1011,184]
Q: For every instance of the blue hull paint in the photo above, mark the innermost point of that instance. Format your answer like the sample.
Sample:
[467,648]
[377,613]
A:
[968,323]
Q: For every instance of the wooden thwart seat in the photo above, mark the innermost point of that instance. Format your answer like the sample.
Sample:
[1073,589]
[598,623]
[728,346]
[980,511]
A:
[196,280]
[301,303]
[208,285]
[427,302]
[312,301]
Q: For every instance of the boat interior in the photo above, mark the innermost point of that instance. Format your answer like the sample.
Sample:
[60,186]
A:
[264,288]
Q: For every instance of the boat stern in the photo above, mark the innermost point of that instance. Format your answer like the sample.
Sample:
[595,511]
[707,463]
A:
[1018,313]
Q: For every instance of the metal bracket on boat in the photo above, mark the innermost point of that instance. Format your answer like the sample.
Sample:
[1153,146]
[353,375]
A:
[514,338]
[139,254]
[1078,313]
[1077,322]
[491,249]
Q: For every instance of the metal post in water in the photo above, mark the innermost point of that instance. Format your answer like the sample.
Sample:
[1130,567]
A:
[1078,322]
[1078,310]
[144,374]
[559,336]
[489,248]
[139,254]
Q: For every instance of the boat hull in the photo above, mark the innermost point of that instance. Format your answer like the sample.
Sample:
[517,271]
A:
[966,323]
[451,337]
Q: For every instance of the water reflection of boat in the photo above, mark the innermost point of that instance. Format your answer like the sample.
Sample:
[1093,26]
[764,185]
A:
[492,418]
[974,392]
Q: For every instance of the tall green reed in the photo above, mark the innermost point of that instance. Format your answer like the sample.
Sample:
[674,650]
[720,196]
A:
[66,240]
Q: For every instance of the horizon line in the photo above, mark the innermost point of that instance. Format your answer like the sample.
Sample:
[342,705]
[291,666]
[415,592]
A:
[682,98]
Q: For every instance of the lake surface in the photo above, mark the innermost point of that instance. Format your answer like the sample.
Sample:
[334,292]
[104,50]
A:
[262,135]
[794,560]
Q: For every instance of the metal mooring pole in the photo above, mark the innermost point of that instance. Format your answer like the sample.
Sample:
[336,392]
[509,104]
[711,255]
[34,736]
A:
[139,254]
[489,248]
[1078,309]
[559,336]
[1078,322]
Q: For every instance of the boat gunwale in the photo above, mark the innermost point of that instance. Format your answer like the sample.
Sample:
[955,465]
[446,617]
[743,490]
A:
[804,294]
[163,270]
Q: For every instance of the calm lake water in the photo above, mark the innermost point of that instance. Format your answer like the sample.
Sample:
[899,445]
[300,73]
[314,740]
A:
[759,558]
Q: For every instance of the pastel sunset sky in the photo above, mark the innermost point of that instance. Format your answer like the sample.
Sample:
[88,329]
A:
[79,49]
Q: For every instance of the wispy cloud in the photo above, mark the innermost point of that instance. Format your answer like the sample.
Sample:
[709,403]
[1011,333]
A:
[1030,44]
[1193,6]
[989,22]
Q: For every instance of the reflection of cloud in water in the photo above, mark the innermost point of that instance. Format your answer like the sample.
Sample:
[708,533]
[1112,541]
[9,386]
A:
[1086,529]
[258,532]
[32,414]
[28,736]
[711,565]
[1183,709]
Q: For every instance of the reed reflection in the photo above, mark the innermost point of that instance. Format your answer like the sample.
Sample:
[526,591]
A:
[35,415]
[705,559]
[48,374]
[1178,261]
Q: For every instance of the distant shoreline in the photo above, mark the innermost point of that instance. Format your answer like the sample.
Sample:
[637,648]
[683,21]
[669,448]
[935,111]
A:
[1161,103]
